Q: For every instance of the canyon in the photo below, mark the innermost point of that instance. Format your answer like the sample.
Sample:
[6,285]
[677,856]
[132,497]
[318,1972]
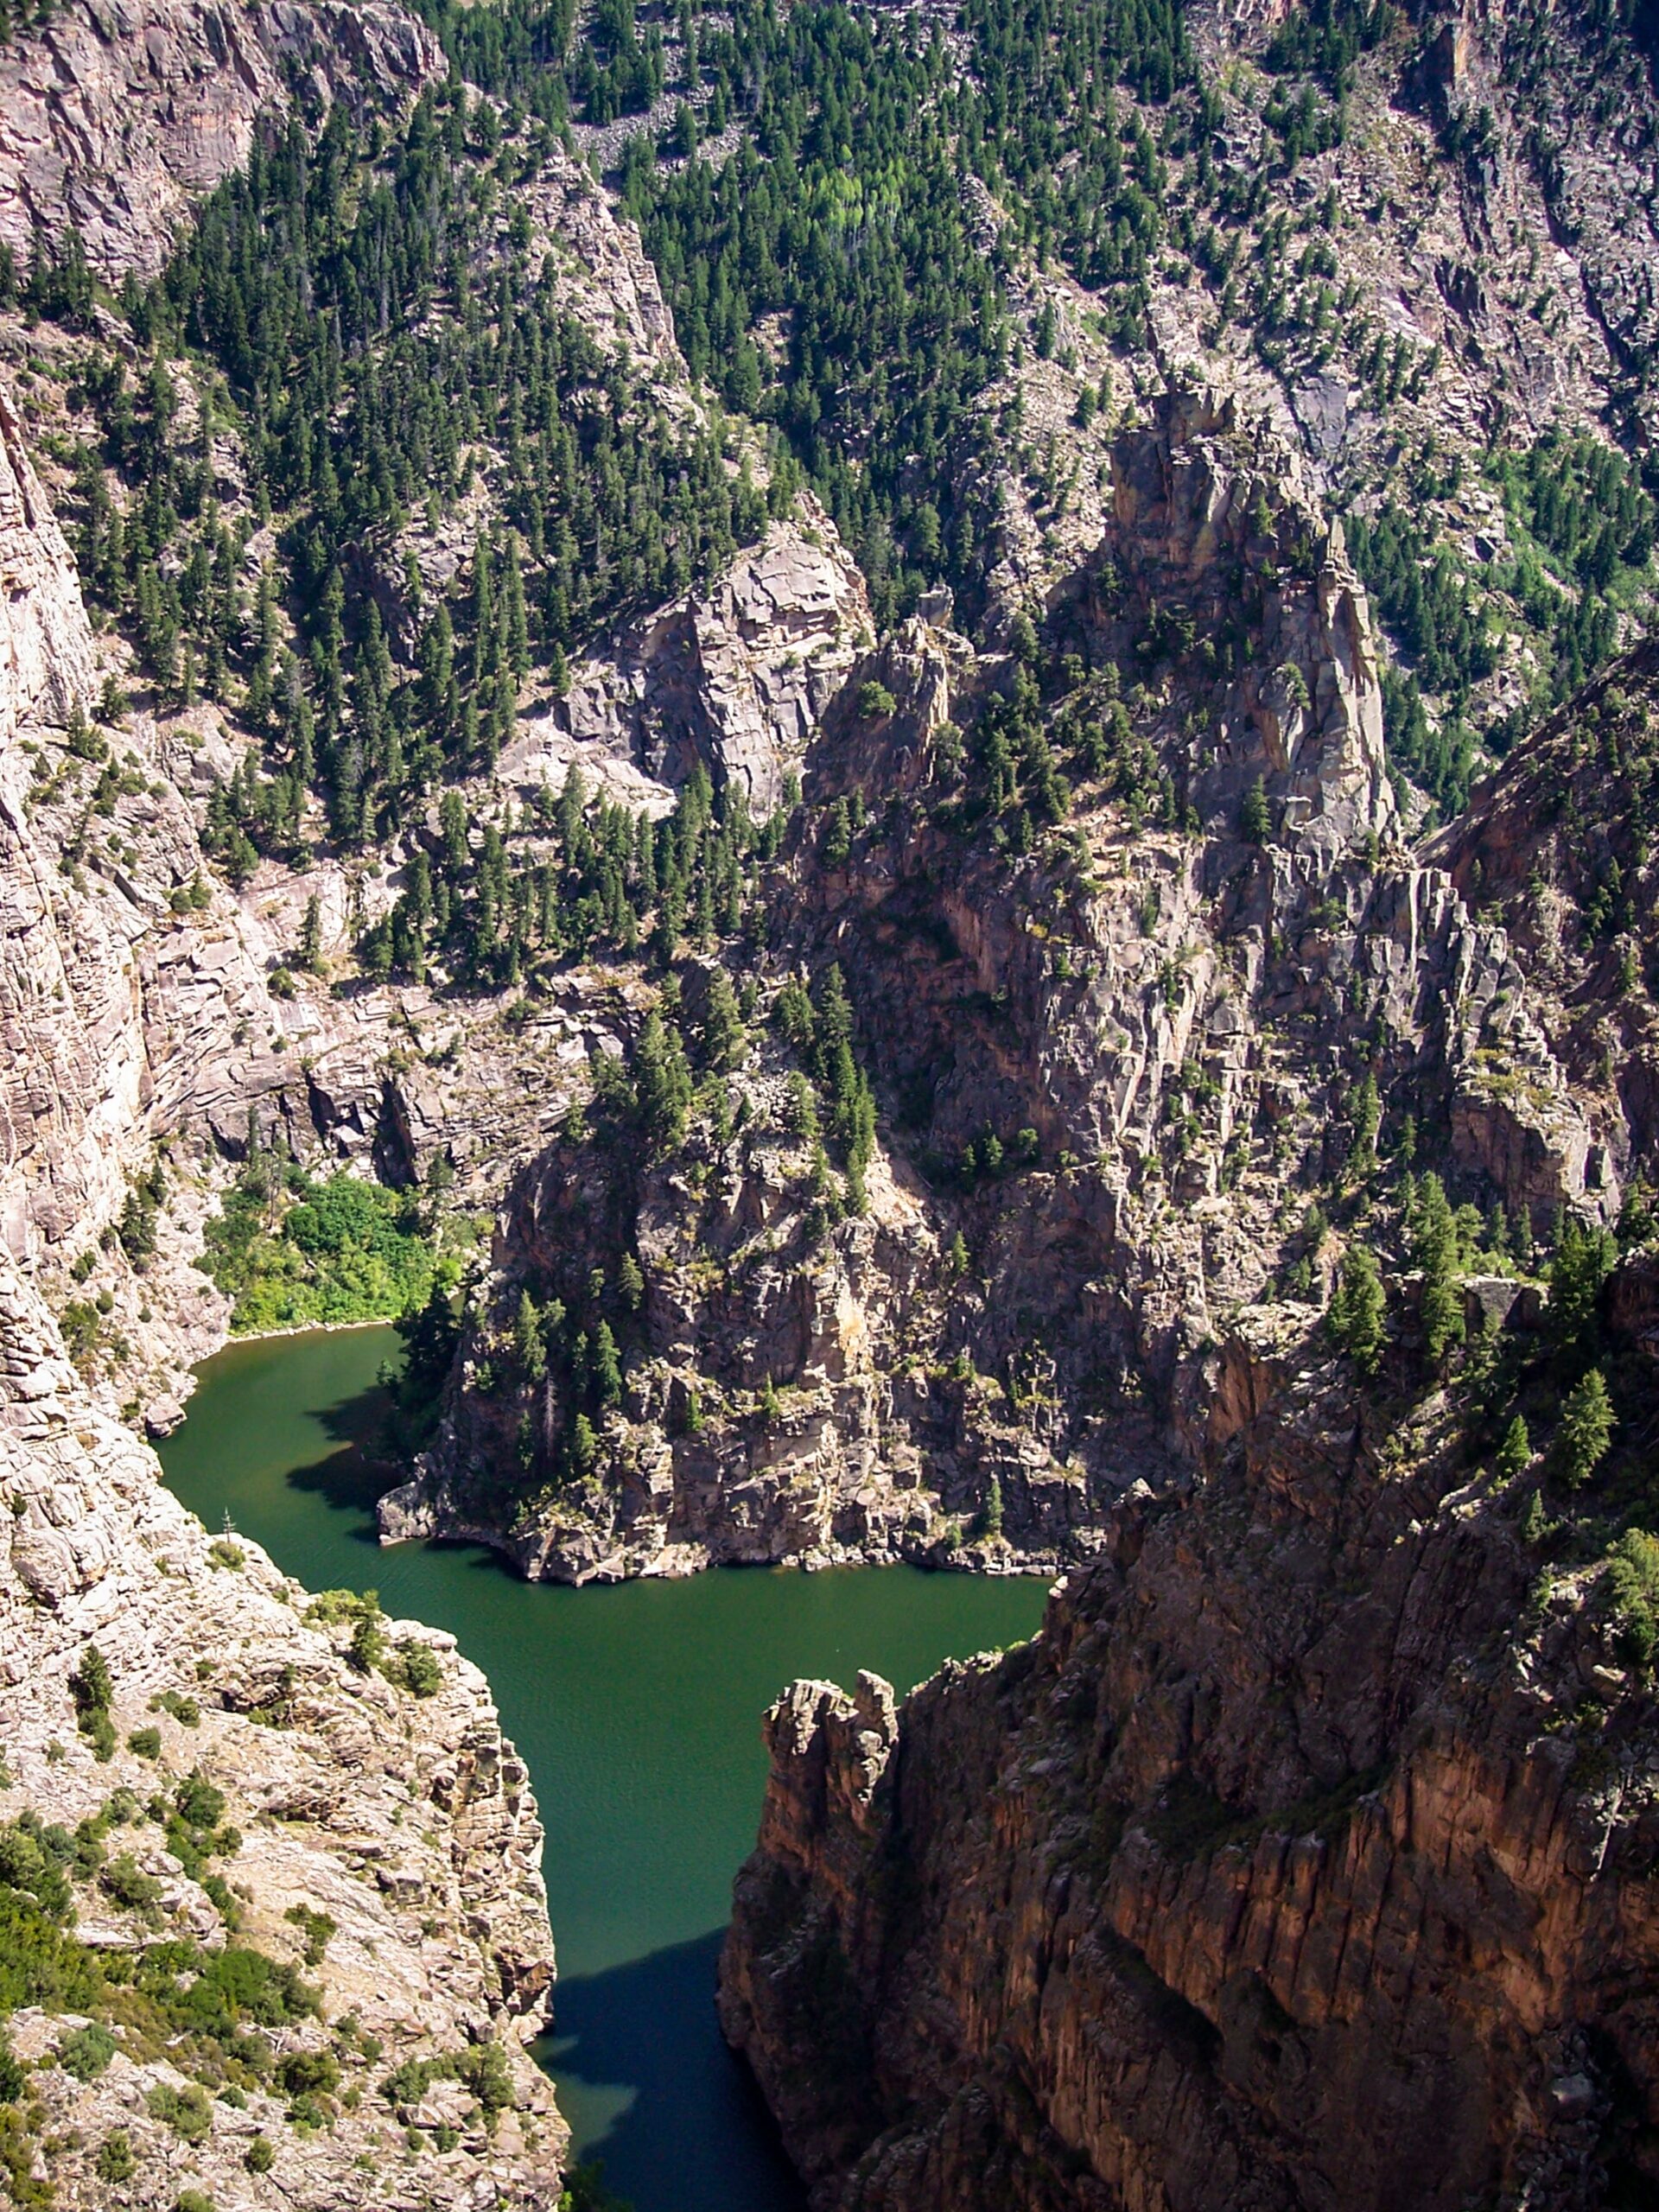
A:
[876,1069]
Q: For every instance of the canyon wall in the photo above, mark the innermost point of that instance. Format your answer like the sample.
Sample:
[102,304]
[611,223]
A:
[1302,1861]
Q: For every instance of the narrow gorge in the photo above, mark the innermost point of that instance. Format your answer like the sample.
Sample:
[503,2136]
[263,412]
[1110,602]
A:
[899,769]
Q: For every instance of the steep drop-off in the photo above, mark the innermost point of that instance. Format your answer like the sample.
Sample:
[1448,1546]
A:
[1303,1860]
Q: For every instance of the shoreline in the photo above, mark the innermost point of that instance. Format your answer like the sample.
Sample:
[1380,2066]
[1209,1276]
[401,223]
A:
[155,1425]
[294,1329]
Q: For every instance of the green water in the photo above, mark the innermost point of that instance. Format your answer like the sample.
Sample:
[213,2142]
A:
[638,1709]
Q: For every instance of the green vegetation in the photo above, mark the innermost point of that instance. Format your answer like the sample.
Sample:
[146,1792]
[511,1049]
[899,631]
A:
[92,1690]
[291,1250]
[1586,1430]
[1357,1315]
[87,2051]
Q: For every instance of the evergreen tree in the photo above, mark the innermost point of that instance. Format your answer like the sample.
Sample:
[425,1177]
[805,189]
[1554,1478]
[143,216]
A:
[1255,817]
[529,1349]
[1515,1452]
[662,1085]
[1586,1432]
[1435,1249]
[1357,1318]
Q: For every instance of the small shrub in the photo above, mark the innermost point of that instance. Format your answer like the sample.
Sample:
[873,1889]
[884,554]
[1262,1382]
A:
[193,2200]
[115,2161]
[484,2071]
[316,1928]
[86,2052]
[309,2073]
[1633,1595]
[418,1671]
[92,1691]
[186,2111]
[146,1743]
[262,2155]
[222,1552]
[125,1883]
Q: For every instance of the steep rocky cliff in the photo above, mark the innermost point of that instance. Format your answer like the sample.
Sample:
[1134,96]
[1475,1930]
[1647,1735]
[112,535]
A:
[1104,1050]
[340,1862]
[117,118]
[1302,1859]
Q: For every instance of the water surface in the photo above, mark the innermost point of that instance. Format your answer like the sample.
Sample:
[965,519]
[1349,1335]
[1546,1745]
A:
[637,1711]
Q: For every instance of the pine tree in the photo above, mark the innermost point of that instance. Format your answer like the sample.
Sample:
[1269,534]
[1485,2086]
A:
[662,1084]
[1358,1310]
[310,953]
[724,1038]
[1586,1432]
[528,1347]
[1255,817]
[1434,1248]
[584,1447]
[1515,1452]
[604,1367]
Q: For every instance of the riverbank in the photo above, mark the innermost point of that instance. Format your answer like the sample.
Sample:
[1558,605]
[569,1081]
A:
[163,1418]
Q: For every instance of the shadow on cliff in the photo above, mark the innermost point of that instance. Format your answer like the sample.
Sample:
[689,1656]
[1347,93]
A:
[692,2135]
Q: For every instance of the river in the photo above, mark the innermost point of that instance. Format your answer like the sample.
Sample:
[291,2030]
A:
[637,1711]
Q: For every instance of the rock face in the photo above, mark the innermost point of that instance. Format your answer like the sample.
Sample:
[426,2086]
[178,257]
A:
[405,1821]
[118,115]
[1275,1872]
[1146,1019]
[735,679]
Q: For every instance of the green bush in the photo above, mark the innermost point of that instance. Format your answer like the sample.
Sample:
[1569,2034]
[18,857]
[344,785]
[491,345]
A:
[1633,1594]
[339,1250]
[418,1669]
[186,2111]
[86,2052]
[483,2070]
[316,1928]
[262,2155]
[146,1743]
[91,1688]
[115,2161]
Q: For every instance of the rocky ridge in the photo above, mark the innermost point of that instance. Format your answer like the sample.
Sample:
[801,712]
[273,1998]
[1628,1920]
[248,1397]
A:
[1150,1020]
[402,1823]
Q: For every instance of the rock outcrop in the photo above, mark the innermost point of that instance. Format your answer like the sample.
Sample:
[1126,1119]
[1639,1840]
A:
[1131,1033]
[118,116]
[402,1824]
[1295,1863]
[735,678]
